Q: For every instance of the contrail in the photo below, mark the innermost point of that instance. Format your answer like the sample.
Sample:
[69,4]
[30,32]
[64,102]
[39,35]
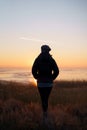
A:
[36,40]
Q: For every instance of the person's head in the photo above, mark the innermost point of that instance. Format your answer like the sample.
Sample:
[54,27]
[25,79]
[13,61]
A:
[45,48]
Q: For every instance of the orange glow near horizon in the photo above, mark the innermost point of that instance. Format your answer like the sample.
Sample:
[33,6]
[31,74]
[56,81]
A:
[26,61]
[35,82]
[63,63]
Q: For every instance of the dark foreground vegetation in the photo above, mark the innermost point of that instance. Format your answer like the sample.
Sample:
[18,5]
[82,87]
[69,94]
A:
[20,107]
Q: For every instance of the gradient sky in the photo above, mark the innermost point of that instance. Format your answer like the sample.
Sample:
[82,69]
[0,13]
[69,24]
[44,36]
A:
[25,25]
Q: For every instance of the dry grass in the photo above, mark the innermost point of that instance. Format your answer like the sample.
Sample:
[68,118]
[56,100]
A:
[20,107]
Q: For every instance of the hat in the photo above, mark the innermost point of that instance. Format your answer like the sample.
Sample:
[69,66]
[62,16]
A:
[45,48]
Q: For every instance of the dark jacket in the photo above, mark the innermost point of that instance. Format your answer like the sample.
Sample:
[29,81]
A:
[45,68]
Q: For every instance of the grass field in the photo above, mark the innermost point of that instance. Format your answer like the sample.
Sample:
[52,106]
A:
[20,106]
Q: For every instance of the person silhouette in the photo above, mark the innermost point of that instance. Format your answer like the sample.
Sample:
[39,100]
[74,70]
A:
[45,71]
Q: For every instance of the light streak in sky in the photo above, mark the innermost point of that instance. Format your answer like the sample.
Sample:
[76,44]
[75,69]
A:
[36,40]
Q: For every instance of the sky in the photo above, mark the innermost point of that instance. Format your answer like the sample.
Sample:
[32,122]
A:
[26,25]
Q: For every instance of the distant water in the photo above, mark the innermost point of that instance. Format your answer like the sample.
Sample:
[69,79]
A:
[24,75]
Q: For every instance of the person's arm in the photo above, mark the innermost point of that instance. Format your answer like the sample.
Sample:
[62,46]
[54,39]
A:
[35,69]
[55,71]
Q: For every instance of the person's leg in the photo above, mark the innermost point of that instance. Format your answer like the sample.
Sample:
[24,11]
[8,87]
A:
[44,93]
